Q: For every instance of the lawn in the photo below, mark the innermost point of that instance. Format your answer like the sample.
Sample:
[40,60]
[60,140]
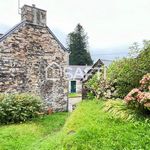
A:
[33,134]
[89,127]
[73,95]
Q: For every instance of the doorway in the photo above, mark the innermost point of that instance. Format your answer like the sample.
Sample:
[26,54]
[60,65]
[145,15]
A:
[73,86]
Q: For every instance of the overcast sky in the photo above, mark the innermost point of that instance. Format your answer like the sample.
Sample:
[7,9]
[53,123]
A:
[112,25]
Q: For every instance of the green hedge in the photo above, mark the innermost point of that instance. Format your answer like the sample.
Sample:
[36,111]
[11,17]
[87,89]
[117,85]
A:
[127,72]
[15,108]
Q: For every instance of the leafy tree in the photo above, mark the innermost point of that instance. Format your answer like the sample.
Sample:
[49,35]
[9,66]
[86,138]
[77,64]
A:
[78,46]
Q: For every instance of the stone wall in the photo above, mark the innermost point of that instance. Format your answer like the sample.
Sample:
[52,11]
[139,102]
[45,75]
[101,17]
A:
[24,57]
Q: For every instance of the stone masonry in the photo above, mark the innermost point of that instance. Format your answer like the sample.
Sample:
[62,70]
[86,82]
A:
[28,53]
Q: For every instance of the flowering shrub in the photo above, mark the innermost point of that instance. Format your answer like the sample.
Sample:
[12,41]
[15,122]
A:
[145,82]
[100,88]
[140,97]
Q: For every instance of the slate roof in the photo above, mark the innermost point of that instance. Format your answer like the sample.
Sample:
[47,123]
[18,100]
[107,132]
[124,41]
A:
[23,23]
[76,72]
[12,30]
[95,68]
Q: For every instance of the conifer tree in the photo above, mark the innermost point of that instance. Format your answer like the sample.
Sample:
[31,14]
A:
[78,47]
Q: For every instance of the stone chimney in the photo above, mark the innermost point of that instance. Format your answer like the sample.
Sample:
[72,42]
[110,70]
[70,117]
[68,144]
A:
[33,15]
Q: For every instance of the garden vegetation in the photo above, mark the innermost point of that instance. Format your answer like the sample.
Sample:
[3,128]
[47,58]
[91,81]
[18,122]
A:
[124,79]
[92,126]
[15,108]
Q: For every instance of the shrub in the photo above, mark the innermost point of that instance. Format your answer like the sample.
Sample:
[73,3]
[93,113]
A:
[100,88]
[127,72]
[145,82]
[16,108]
[119,110]
[90,95]
[140,97]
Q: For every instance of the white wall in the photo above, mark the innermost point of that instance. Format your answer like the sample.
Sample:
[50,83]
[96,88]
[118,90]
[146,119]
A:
[78,86]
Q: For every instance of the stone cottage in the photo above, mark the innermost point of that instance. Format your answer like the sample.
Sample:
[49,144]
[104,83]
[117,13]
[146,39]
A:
[32,59]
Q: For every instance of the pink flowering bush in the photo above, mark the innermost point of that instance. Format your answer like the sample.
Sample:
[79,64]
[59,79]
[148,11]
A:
[140,97]
[145,82]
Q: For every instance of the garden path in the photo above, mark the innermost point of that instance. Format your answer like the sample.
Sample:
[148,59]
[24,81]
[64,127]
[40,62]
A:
[72,102]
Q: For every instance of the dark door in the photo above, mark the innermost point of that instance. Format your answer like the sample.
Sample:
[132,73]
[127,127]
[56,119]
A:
[73,86]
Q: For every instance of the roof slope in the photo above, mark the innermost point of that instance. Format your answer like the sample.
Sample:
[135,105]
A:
[23,23]
[95,68]
[12,30]
[77,72]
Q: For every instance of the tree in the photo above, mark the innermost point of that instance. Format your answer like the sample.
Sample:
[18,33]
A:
[78,47]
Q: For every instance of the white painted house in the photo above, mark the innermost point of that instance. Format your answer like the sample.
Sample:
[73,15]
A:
[75,73]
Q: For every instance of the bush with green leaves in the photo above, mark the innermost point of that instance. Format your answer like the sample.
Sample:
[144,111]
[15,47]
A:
[99,87]
[15,108]
[119,110]
[123,73]
[127,72]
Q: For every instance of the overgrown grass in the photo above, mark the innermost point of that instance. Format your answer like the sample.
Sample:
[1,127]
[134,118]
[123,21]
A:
[89,127]
[33,134]
[118,109]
